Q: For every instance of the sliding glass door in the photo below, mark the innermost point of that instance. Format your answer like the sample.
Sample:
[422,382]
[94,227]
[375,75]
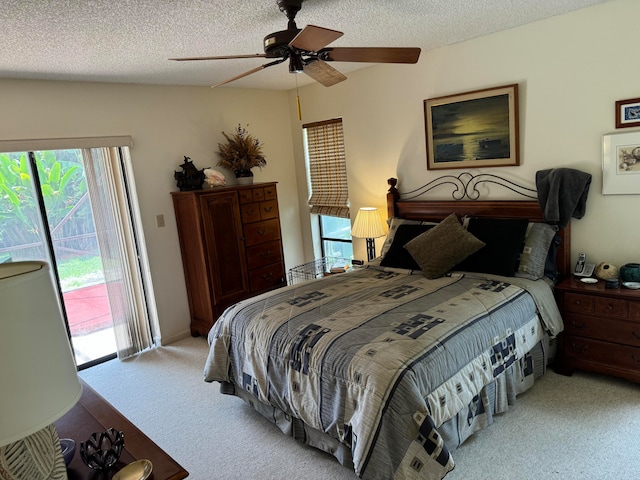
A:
[47,213]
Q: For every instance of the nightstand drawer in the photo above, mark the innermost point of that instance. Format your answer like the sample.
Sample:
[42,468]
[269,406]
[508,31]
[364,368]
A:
[625,333]
[576,302]
[601,353]
[611,307]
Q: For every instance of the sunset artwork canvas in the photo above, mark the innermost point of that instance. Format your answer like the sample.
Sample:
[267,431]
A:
[475,129]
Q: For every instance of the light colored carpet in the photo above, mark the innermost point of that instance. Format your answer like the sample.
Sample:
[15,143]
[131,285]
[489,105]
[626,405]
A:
[577,428]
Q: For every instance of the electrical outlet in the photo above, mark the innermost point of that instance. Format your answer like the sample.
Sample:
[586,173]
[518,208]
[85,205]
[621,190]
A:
[159,221]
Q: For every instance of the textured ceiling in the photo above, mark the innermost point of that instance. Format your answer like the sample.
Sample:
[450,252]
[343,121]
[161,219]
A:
[130,41]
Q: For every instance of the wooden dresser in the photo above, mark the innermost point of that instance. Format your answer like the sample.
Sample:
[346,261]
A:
[231,247]
[602,329]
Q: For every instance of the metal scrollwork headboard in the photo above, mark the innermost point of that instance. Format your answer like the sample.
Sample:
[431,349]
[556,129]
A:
[465,186]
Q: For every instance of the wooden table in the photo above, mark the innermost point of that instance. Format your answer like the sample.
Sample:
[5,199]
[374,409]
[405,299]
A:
[93,414]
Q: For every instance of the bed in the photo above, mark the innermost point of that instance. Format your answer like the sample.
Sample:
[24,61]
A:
[389,370]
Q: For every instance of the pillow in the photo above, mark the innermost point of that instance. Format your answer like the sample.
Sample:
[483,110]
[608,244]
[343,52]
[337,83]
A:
[503,238]
[394,223]
[442,247]
[397,256]
[537,240]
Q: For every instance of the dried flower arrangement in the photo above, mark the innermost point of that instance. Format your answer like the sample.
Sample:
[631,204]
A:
[242,152]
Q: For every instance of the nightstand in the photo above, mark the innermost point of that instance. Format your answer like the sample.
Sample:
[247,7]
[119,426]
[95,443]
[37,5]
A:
[601,329]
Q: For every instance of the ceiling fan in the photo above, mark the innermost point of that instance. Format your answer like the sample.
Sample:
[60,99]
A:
[307,51]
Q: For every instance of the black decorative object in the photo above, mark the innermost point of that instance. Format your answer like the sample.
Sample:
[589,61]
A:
[190,178]
[102,450]
[68,447]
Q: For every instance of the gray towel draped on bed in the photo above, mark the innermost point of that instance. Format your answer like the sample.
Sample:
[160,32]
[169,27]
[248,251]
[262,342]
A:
[562,194]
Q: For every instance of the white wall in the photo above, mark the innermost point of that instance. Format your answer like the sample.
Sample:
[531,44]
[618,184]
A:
[166,123]
[570,69]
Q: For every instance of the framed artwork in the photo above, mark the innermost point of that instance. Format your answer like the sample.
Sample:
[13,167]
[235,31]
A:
[621,163]
[473,129]
[628,113]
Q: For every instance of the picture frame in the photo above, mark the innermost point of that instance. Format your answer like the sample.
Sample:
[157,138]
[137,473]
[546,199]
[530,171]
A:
[628,113]
[474,129]
[621,163]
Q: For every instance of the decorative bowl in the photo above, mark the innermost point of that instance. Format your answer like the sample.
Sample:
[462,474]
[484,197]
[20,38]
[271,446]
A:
[68,447]
[102,450]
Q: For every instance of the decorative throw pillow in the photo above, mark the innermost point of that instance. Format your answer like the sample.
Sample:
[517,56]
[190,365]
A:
[442,247]
[394,223]
[503,238]
[397,256]
[536,249]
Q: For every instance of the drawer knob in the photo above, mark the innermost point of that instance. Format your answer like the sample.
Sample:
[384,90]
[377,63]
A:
[262,231]
[267,276]
[635,359]
[575,325]
[268,209]
[635,334]
[577,302]
[579,349]
[609,307]
[265,254]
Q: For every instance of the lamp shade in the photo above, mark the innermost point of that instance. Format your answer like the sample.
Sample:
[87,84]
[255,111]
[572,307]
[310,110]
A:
[38,379]
[368,224]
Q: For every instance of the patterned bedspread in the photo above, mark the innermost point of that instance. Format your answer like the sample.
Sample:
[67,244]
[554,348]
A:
[379,360]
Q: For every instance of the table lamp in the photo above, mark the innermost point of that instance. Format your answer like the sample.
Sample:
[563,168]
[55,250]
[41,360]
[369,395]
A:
[368,225]
[38,379]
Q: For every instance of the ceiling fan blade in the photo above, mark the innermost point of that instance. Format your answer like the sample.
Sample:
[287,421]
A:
[312,38]
[222,57]
[323,73]
[249,72]
[370,54]
[237,77]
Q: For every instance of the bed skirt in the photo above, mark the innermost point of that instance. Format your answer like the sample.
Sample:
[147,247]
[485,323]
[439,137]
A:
[493,399]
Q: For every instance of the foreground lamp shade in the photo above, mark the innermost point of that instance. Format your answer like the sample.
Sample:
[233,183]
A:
[38,378]
[368,225]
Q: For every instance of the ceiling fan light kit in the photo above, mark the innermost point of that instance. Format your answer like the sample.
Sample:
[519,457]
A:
[307,51]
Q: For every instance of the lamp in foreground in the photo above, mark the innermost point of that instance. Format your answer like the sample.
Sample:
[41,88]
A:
[38,379]
[368,225]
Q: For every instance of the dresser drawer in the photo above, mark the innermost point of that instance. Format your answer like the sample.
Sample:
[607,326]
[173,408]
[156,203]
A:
[268,210]
[261,232]
[266,278]
[245,195]
[590,351]
[264,254]
[626,333]
[270,192]
[250,212]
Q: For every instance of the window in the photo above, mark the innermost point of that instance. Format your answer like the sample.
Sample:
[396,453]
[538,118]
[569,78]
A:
[335,236]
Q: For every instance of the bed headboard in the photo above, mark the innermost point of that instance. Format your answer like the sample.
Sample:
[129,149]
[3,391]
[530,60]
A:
[437,210]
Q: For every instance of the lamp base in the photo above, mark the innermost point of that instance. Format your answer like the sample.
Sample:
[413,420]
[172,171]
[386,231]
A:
[371,249]
[36,457]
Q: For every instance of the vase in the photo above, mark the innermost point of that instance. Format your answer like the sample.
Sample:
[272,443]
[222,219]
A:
[244,177]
